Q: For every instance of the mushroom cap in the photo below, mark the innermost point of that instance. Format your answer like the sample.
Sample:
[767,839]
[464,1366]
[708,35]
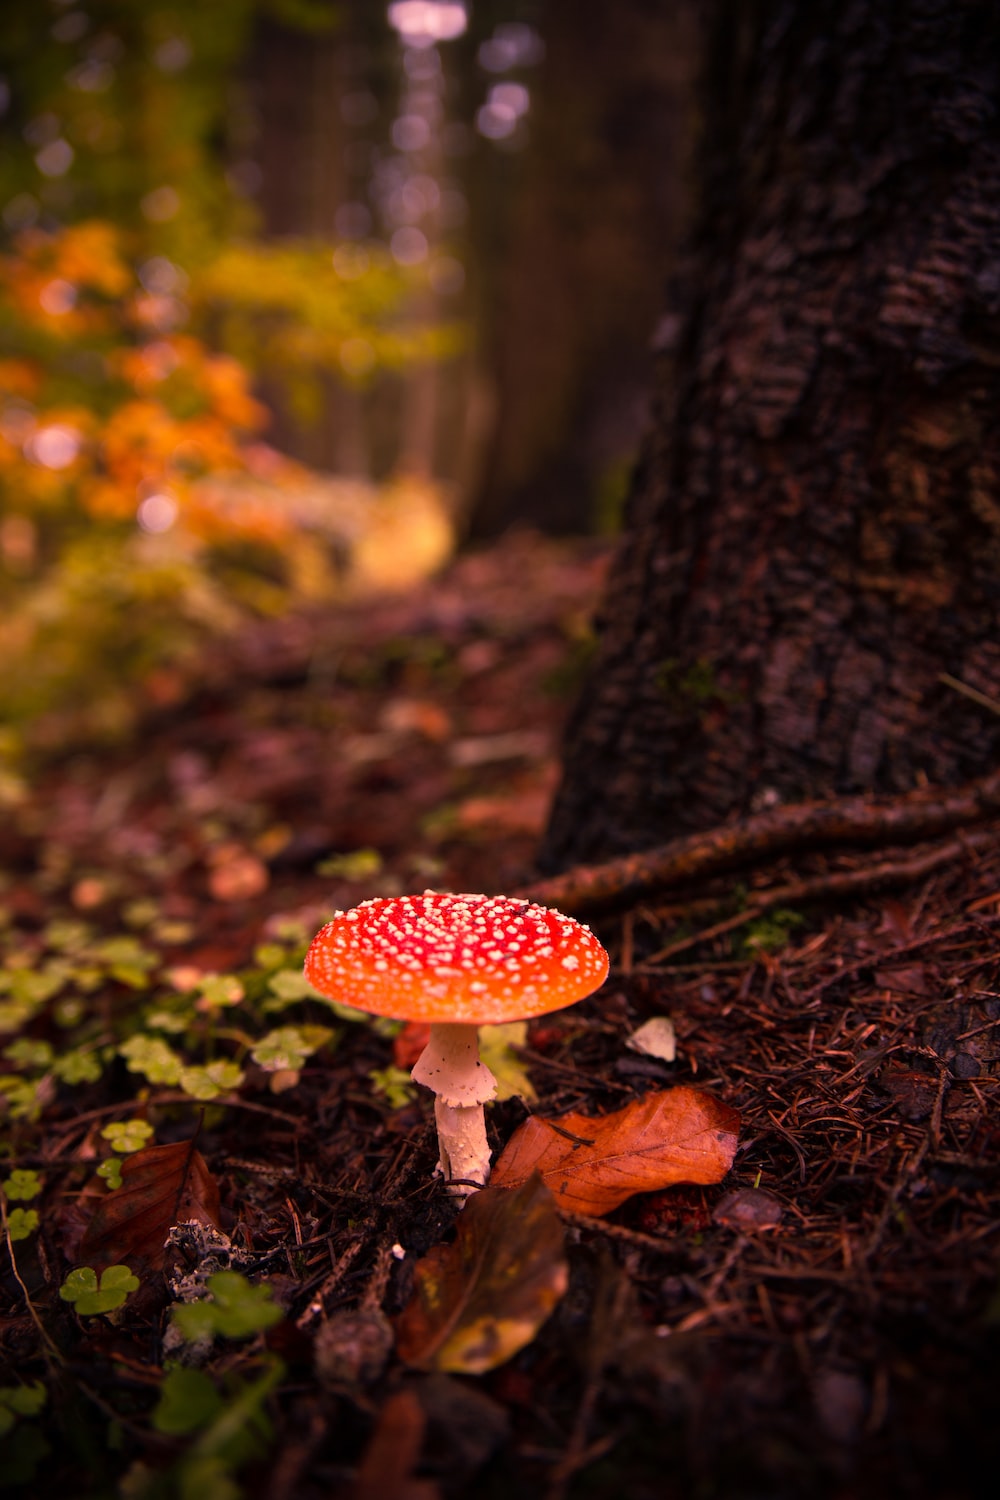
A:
[445,957]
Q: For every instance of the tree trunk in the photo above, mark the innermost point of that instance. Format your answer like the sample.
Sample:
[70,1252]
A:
[815,525]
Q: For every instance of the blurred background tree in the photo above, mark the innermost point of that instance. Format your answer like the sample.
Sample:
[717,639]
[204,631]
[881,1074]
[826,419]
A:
[273,270]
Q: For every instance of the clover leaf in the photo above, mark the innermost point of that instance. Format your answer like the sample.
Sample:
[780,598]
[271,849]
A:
[151,1056]
[289,1046]
[234,1309]
[89,1296]
[111,1171]
[212,1080]
[20,1401]
[22,1186]
[22,1222]
[188,1401]
[127,1135]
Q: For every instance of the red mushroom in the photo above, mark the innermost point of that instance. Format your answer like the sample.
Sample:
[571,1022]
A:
[459,962]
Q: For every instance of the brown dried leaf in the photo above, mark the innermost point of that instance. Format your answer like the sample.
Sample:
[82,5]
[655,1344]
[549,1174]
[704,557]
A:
[593,1164]
[386,1468]
[479,1300]
[161,1186]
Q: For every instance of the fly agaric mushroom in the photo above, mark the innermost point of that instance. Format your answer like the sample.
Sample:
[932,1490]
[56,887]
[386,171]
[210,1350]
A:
[459,962]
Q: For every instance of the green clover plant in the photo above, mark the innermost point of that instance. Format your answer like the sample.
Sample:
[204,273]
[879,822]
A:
[234,1310]
[90,1296]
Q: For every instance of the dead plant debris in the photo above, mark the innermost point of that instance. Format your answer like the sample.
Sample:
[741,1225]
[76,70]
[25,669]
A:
[823,1321]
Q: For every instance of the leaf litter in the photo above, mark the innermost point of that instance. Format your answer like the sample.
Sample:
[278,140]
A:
[161,1186]
[592,1164]
[822,1320]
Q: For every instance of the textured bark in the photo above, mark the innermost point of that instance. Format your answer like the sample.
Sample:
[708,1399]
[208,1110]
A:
[815,527]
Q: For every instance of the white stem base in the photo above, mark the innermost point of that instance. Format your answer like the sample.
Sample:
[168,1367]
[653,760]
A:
[462,1144]
[451,1066]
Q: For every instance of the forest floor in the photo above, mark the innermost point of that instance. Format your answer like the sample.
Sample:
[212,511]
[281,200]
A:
[823,1321]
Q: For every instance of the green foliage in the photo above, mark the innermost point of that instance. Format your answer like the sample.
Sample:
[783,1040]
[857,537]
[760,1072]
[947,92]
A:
[770,933]
[22,1222]
[20,1401]
[26,1052]
[188,1401]
[129,250]
[79,985]
[22,1097]
[21,1186]
[359,864]
[23,1445]
[24,1450]
[233,1309]
[126,960]
[128,1135]
[498,1049]
[78,1065]
[211,1081]
[394,1084]
[111,1172]
[294,309]
[227,1430]
[90,1296]
[288,985]
[150,1056]
[288,1047]
[219,990]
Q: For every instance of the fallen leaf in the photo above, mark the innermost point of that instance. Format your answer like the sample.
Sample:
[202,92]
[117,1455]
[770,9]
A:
[161,1186]
[386,1468]
[497,1049]
[478,1301]
[593,1164]
[655,1038]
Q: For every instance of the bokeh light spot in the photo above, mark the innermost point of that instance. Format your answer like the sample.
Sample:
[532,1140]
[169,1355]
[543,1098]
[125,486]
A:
[408,246]
[54,446]
[421,23]
[157,513]
[57,296]
[55,158]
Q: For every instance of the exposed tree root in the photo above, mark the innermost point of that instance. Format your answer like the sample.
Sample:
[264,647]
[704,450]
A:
[836,883]
[807,825]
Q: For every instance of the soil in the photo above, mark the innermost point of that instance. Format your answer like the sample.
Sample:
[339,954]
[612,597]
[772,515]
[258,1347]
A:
[823,1322]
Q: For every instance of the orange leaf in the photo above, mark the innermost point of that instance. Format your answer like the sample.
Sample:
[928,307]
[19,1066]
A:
[161,1186]
[593,1164]
[478,1301]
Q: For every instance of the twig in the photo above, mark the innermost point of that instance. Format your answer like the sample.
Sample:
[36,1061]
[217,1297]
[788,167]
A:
[837,883]
[969,692]
[52,1353]
[853,820]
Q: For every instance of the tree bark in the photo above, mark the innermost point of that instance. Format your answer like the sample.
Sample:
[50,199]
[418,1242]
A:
[815,525]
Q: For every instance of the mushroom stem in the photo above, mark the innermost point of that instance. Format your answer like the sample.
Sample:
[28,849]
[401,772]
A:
[450,1065]
[462,1146]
